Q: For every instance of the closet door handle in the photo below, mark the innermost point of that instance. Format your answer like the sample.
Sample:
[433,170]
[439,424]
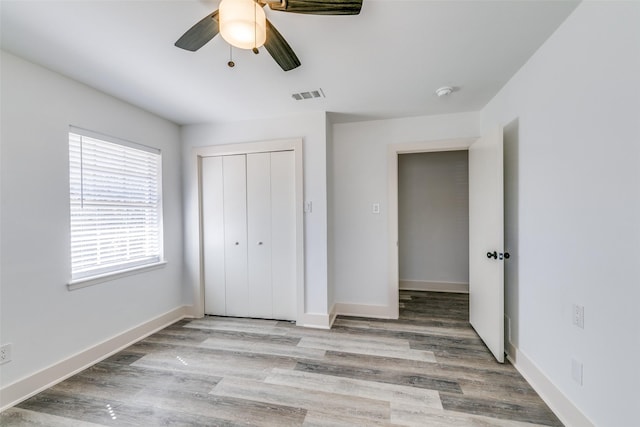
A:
[259,243]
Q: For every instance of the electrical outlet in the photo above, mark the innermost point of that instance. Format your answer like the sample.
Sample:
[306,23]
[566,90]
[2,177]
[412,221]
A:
[576,371]
[5,353]
[578,315]
[375,208]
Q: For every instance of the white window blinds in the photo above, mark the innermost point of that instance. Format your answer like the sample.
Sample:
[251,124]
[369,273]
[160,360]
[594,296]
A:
[115,206]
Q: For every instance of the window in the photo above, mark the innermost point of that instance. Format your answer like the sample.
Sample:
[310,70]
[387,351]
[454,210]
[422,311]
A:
[115,194]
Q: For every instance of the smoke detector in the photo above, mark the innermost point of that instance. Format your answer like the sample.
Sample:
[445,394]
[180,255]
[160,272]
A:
[444,91]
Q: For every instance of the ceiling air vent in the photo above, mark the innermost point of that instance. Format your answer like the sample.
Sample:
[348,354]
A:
[308,95]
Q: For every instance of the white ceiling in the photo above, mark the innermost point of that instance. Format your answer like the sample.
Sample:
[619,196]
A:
[384,63]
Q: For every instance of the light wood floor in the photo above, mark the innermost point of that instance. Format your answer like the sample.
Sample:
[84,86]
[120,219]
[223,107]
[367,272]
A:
[428,368]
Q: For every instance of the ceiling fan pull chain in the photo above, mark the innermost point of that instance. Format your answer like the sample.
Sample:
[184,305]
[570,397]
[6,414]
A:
[255,29]
[231,64]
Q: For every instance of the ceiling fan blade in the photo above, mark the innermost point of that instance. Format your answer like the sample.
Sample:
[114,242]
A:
[198,35]
[319,7]
[280,50]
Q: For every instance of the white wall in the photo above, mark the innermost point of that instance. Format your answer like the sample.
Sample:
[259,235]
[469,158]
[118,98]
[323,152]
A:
[44,321]
[433,217]
[360,179]
[312,128]
[577,105]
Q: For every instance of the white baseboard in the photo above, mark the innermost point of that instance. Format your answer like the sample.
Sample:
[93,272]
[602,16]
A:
[20,390]
[560,404]
[332,316]
[316,321]
[511,350]
[364,310]
[419,285]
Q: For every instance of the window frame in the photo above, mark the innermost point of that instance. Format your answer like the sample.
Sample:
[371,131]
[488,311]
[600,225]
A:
[84,280]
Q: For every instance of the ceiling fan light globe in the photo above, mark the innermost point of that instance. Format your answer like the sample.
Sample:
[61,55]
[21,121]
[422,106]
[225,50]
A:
[242,23]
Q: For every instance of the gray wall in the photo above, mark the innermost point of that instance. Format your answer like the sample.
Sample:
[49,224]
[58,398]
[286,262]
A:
[45,322]
[433,217]
[312,128]
[573,148]
[360,168]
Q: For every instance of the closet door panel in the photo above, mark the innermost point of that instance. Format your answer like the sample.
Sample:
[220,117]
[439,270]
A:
[283,226]
[259,232]
[235,245]
[213,236]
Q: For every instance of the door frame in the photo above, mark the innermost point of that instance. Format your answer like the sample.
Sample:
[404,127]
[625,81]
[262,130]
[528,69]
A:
[195,243]
[393,151]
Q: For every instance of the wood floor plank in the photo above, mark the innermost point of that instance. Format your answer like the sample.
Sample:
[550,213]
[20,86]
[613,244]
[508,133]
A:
[201,335]
[229,364]
[324,419]
[407,327]
[399,350]
[351,387]
[421,416]
[459,336]
[24,417]
[369,374]
[122,383]
[311,400]
[504,389]
[498,373]
[125,357]
[257,326]
[223,407]
[83,408]
[274,349]
[537,414]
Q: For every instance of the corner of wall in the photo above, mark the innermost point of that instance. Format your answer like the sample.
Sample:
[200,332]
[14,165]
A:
[315,321]
[21,390]
[559,403]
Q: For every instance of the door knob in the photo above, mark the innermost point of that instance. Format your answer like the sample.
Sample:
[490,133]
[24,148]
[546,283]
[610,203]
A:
[237,243]
[259,243]
[496,255]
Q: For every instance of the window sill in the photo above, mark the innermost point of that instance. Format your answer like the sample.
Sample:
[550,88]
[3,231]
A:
[94,280]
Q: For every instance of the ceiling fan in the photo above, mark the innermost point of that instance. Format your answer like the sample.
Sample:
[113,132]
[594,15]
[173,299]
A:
[207,28]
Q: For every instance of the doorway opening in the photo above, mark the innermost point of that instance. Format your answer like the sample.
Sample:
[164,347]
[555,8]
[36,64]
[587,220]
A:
[393,154]
[433,221]
[486,230]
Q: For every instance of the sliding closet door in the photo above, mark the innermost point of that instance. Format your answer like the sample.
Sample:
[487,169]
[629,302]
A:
[235,235]
[283,229]
[249,235]
[213,235]
[260,235]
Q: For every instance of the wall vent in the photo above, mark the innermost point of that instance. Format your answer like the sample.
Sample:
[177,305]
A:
[308,95]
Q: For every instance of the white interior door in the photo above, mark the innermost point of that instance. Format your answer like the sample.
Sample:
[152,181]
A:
[486,241]
[235,235]
[259,232]
[213,236]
